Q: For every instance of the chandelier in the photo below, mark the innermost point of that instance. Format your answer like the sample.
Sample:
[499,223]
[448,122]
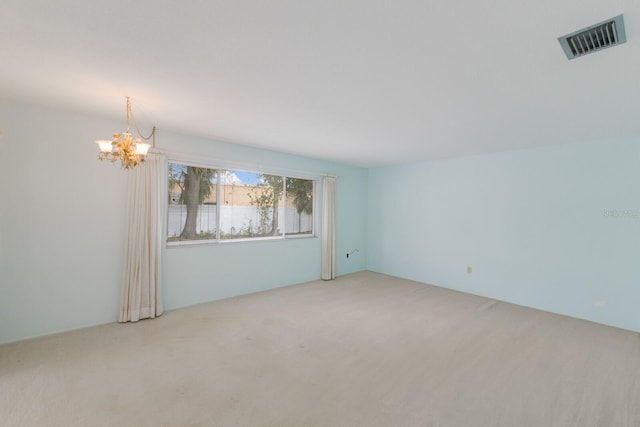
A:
[124,147]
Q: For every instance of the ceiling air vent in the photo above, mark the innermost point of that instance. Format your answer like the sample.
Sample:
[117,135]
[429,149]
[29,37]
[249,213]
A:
[594,38]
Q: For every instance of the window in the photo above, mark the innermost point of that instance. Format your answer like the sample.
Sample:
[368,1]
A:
[224,205]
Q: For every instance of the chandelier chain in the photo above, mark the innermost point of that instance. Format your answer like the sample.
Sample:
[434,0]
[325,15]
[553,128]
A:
[135,124]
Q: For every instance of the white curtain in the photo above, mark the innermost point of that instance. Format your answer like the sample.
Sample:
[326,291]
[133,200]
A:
[141,296]
[328,228]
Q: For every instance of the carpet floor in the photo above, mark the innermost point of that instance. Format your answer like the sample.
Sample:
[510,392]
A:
[363,350]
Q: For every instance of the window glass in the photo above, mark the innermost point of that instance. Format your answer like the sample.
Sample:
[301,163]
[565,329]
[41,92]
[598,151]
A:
[299,213]
[192,211]
[251,205]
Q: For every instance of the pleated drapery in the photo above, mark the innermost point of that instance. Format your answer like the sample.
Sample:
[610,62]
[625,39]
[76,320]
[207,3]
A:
[141,295]
[328,228]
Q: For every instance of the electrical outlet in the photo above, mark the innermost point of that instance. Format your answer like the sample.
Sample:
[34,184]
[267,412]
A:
[469,269]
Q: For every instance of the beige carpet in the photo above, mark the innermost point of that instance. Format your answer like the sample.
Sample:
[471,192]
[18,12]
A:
[363,350]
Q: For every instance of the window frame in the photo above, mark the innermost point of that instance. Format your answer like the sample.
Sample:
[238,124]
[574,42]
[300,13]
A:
[220,167]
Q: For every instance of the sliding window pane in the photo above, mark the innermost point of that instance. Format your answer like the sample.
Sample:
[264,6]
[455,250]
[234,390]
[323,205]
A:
[192,211]
[251,205]
[299,211]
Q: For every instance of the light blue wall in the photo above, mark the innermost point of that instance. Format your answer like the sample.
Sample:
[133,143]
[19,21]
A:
[530,223]
[63,214]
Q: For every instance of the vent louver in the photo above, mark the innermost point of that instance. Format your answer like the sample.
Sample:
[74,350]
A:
[594,38]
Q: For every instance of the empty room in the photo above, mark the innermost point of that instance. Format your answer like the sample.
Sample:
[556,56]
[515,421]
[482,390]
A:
[305,213]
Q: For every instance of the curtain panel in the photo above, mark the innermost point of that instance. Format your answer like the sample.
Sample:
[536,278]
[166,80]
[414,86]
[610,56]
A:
[141,295]
[328,236]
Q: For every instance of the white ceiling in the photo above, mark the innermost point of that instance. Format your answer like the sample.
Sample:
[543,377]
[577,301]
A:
[359,81]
